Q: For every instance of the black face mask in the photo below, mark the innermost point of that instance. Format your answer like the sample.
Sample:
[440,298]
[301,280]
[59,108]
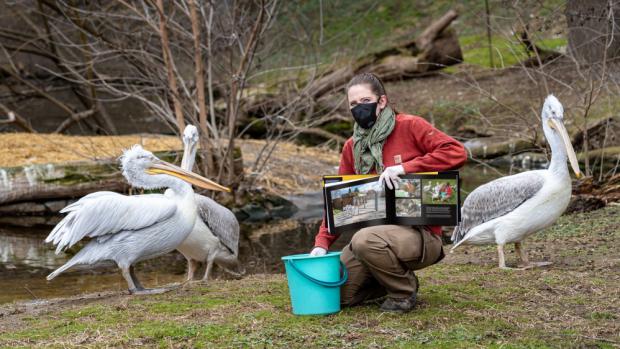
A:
[365,114]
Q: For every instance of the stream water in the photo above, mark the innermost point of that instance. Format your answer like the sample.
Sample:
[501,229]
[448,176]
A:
[25,260]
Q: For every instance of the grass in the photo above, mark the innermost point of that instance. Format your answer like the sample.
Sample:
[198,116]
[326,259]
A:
[506,51]
[464,302]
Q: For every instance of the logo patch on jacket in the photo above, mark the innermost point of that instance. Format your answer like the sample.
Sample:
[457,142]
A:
[398,159]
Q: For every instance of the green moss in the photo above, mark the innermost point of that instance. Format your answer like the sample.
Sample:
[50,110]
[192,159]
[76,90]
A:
[554,44]
[505,52]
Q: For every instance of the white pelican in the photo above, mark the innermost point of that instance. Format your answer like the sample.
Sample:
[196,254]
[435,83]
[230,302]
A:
[510,208]
[215,237]
[128,229]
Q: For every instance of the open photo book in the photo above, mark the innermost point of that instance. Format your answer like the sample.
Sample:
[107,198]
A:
[353,202]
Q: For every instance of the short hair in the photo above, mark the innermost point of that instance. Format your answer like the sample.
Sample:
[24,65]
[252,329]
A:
[376,86]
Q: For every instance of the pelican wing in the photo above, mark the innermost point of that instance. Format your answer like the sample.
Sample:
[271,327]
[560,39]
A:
[106,213]
[495,199]
[220,220]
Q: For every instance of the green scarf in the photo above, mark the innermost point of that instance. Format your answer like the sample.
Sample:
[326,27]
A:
[368,143]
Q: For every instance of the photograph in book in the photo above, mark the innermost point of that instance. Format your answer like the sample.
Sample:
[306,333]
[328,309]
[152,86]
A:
[409,188]
[408,198]
[439,192]
[408,207]
[358,203]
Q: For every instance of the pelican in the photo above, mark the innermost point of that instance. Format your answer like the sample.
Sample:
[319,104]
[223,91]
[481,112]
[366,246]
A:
[215,237]
[509,209]
[129,229]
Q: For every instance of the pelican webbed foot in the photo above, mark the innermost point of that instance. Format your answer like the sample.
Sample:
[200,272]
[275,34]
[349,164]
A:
[149,291]
[158,290]
[532,265]
[135,287]
[201,282]
[235,275]
[525,262]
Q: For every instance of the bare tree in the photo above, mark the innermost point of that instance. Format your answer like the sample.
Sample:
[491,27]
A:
[153,52]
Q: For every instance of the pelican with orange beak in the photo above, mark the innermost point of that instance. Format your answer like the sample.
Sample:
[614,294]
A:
[128,229]
[509,209]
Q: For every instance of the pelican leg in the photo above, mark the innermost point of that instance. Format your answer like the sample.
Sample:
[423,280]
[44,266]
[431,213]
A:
[501,257]
[191,268]
[136,282]
[208,269]
[130,282]
[526,264]
[135,288]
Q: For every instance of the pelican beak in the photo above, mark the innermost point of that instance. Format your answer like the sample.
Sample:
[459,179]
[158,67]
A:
[162,167]
[559,126]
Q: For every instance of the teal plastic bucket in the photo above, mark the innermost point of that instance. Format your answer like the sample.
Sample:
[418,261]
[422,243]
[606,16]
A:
[314,282]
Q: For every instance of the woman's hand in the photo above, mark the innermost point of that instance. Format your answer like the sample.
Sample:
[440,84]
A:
[390,176]
[318,251]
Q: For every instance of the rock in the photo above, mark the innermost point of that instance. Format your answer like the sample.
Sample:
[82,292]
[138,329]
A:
[261,207]
[240,214]
[283,211]
[255,212]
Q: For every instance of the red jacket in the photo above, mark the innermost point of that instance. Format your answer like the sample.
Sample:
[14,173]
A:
[415,144]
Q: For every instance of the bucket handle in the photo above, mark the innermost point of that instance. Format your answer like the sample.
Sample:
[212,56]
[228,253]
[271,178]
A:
[345,276]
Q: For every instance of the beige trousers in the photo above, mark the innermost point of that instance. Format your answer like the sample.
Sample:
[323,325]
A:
[381,260]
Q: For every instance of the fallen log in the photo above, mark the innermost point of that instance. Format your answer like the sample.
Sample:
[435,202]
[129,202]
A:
[600,133]
[72,180]
[489,148]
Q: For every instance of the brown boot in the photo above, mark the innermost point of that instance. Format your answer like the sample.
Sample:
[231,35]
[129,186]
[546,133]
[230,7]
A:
[399,305]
